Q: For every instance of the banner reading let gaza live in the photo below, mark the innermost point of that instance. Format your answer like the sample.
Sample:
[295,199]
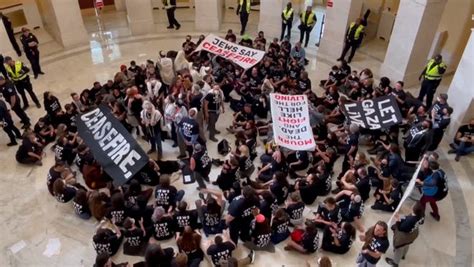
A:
[240,55]
[290,118]
[111,144]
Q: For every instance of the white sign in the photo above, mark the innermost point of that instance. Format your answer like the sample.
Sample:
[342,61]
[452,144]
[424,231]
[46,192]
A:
[241,55]
[290,118]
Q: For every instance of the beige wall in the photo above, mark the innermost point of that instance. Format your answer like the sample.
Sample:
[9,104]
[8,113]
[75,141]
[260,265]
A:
[49,18]
[456,20]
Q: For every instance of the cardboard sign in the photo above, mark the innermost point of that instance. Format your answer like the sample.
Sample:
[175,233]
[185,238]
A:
[241,55]
[290,118]
[373,114]
[111,144]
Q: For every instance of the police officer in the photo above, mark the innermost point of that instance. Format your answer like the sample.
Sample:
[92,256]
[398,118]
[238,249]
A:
[243,9]
[200,164]
[3,71]
[431,75]
[170,6]
[286,21]
[11,35]
[18,73]
[9,93]
[308,20]
[30,47]
[6,123]
[354,35]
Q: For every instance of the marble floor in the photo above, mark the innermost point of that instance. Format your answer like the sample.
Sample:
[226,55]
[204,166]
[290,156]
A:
[30,217]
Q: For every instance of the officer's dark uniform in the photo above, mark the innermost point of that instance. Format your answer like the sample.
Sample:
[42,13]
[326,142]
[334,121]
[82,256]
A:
[11,35]
[7,124]
[32,52]
[8,91]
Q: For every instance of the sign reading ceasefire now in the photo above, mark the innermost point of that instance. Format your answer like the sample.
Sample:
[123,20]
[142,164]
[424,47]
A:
[241,55]
[290,119]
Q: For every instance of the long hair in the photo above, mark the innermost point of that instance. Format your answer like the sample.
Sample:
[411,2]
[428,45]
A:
[189,240]
[96,205]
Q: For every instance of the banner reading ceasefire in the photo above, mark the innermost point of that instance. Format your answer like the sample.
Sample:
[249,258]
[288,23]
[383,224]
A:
[241,55]
[290,118]
[112,145]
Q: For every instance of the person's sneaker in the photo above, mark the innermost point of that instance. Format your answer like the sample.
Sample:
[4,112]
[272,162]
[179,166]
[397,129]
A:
[391,262]
[218,132]
[252,256]
[452,151]
[213,139]
[457,157]
[169,27]
[178,27]
[339,59]
[150,151]
[36,76]
[12,144]
[42,73]
[436,217]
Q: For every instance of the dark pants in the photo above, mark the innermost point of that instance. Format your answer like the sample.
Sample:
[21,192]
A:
[353,45]
[171,18]
[437,137]
[412,154]
[25,85]
[11,131]
[15,45]
[34,58]
[425,199]
[305,31]
[21,113]
[244,18]
[428,89]
[284,27]
[213,116]
[200,177]
[155,140]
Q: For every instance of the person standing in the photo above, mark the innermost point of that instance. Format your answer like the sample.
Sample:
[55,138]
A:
[287,21]
[170,6]
[376,244]
[308,20]
[11,35]
[243,9]
[9,93]
[6,123]
[200,165]
[212,107]
[3,71]
[152,119]
[430,188]
[463,142]
[431,75]
[353,39]
[405,232]
[30,47]
[18,73]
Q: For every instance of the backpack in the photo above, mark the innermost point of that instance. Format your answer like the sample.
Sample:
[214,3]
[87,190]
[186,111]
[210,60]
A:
[442,184]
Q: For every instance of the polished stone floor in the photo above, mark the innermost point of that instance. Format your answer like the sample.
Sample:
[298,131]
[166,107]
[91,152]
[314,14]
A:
[30,217]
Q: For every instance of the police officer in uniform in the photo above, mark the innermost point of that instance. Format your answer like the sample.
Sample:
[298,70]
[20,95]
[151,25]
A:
[30,47]
[170,6]
[431,75]
[6,123]
[9,93]
[308,20]
[286,21]
[353,39]
[18,73]
[244,11]
[11,35]
[200,164]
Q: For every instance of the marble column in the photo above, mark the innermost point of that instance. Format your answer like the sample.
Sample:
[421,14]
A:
[208,15]
[140,16]
[412,36]
[338,18]
[63,20]
[32,14]
[120,5]
[270,18]
[460,92]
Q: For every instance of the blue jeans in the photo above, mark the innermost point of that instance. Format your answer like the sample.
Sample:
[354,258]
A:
[462,149]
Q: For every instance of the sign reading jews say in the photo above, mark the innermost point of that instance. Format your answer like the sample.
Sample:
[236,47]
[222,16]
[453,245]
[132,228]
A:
[241,55]
[378,113]
[290,121]
[112,145]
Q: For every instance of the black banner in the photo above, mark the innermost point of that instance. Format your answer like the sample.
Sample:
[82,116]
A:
[112,145]
[379,113]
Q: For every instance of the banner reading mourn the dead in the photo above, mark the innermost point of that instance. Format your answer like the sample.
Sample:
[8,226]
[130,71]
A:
[290,118]
[378,113]
[111,144]
[241,55]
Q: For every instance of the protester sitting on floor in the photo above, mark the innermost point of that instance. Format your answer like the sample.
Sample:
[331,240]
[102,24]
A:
[304,241]
[338,239]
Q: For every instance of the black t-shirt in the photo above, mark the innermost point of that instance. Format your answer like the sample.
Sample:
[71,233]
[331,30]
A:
[353,140]
[277,75]
[304,84]
[295,210]
[63,152]
[189,127]
[8,90]
[261,239]
[377,244]
[24,149]
[333,215]
[267,208]
[203,161]
[210,219]
[354,210]
[213,101]
[196,101]
[51,178]
[294,72]
[396,196]
[117,215]
[279,191]
[185,218]
[165,197]
[467,132]
[241,209]
[303,157]
[309,192]
[220,252]
[280,227]
[410,223]
[310,242]
[363,186]
[134,238]
[254,82]
[164,228]
[345,241]
[68,194]
[80,209]
[105,246]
